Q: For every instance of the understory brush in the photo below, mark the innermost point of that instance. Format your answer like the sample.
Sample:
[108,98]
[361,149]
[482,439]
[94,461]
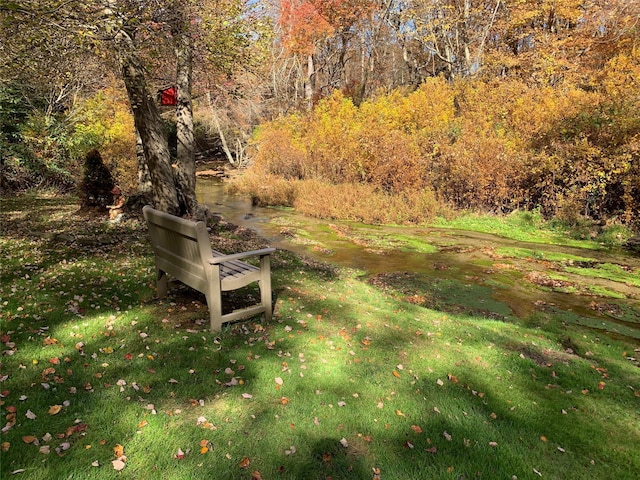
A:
[480,145]
[355,202]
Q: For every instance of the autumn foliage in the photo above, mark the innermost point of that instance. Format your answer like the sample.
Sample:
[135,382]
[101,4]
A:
[494,145]
[308,21]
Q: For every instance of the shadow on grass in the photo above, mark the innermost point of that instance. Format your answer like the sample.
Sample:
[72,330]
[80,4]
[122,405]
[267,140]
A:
[345,382]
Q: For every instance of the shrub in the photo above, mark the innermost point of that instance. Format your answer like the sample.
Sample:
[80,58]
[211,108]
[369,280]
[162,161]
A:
[97,183]
[265,190]
[496,146]
[364,203]
[104,122]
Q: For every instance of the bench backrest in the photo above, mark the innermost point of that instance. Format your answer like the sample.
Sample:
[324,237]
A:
[182,247]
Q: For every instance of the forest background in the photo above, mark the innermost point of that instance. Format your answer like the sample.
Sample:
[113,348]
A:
[387,111]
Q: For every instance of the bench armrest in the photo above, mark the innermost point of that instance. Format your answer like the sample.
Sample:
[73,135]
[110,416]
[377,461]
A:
[238,256]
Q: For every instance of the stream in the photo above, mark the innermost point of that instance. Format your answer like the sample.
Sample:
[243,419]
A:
[458,271]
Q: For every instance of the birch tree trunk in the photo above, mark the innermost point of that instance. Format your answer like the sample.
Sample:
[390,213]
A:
[185,165]
[310,84]
[144,178]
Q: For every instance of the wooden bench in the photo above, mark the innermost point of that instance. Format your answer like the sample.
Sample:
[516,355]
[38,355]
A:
[183,250]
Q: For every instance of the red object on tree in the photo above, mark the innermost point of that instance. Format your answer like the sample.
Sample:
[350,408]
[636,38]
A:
[168,96]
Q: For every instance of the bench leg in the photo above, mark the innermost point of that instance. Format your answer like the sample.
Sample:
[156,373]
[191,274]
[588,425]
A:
[161,283]
[215,312]
[214,301]
[265,286]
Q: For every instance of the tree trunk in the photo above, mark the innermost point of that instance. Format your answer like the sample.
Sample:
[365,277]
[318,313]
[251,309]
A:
[149,124]
[185,164]
[144,178]
[310,84]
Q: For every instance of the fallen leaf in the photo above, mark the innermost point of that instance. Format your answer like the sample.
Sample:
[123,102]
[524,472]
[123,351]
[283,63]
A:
[601,386]
[343,442]
[396,374]
[118,450]
[291,450]
[543,438]
[245,462]
[447,435]
[400,414]
[247,395]
[279,381]
[179,455]
[143,424]
[5,446]
[30,415]
[55,409]
[118,465]
[256,475]
[416,428]
[493,444]
[29,439]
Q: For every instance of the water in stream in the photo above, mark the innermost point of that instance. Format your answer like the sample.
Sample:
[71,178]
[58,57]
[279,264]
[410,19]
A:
[458,271]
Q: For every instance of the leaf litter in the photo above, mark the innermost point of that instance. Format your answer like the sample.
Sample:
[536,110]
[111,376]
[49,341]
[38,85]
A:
[84,363]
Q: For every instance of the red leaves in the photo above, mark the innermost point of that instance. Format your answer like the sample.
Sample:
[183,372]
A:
[309,21]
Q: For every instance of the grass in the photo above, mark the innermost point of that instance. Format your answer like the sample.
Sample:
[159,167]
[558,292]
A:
[530,227]
[347,381]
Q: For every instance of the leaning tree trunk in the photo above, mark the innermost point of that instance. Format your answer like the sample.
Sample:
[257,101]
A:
[149,124]
[185,164]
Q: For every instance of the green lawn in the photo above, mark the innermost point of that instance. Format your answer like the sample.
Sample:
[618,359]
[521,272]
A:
[100,380]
